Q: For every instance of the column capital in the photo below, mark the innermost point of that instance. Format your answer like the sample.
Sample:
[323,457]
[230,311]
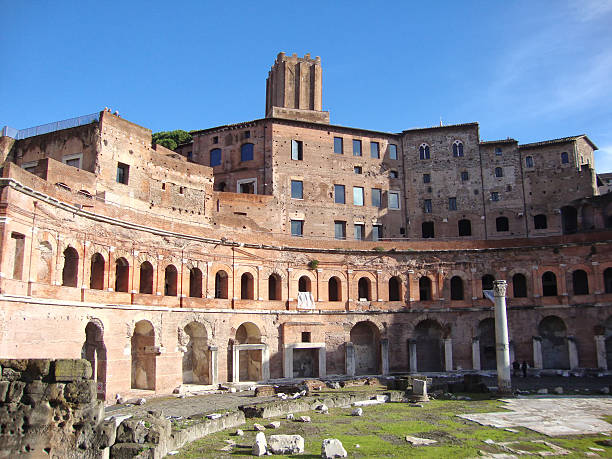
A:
[499,288]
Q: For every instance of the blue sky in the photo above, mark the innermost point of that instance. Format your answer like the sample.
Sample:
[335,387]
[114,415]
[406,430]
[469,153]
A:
[531,70]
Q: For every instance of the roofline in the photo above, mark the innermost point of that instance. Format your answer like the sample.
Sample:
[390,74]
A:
[492,142]
[441,127]
[560,140]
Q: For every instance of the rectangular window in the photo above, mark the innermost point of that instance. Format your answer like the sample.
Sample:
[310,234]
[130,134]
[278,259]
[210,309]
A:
[392,151]
[359,231]
[297,189]
[73,160]
[376,197]
[394,200]
[465,176]
[427,206]
[340,230]
[123,173]
[247,134]
[339,194]
[494,196]
[19,240]
[297,228]
[357,196]
[426,178]
[358,169]
[375,150]
[498,151]
[452,203]
[29,166]
[215,157]
[356,147]
[215,139]
[247,186]
[393,174]
[338,145]
[377,232]
[297,150]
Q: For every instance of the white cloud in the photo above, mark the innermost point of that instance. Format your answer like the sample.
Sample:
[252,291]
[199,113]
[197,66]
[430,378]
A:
[591,10]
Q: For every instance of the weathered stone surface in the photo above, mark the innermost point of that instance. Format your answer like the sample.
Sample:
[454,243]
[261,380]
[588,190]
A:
[41,415]
[131,451]
[55,393]
[37,369]
[14,364]
[4,387]
[34,392]
[71,370]
[260,446]
[15,391]
[132,431]
[332,448]
[273,425]
[258,427]
[357,412]
[416,441]
[9,374]
[286,444]
[107,432]
[80,392]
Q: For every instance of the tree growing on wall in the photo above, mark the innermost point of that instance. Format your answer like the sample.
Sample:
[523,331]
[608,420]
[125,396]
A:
[171,139]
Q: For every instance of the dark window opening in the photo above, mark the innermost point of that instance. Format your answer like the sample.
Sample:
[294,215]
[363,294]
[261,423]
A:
[465,227]
[502,224]
[306,337]
[123,173]
[549,284]
[580,281]
[195,283]
[338,145]
[425,289]
[221,282]
[247,291]
[487,283]
[363,289]
[71,267]
[297,150]
[456,287]
[540,222]
[170,281]
[304,284]
[394,288]
[215,157]
[122,275]
[333,289]
[427,230]
[424,152]
[274,286]
[519,286]
[146,278]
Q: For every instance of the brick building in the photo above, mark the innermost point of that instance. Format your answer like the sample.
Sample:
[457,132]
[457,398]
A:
[291,247]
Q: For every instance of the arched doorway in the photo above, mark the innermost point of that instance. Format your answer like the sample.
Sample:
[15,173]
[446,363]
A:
[247,288]
[456,288]
[195,283]
[94,351]
[250,360]
[122,275]
[221,284]
[366,341]
[170,281]
[486,340]
[549,284]
[71,267]
[143,356]
[274,287]
[425,289]
[196,357]
[555,353]
[96,276]
[334,292]
[429,346]
[304,284]
[395,288]
[146,278]
[364,289]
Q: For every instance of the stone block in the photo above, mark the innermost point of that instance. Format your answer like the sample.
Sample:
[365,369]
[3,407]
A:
[80,392]
[265,391]
[55,393]
[131,451]
[34,392]
[4,387]
[332,448]
[132,431]
[261,445]
[8,374]
[15,391]
[41,415]
[107,434]
[286,444]
[71,370]
[37,369]
[15,364]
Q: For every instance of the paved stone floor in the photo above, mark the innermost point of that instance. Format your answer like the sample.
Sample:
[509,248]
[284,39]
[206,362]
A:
[551,415]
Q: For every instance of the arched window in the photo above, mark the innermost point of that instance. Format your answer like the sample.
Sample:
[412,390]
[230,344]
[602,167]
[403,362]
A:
[569,219]
[274,287]
[564,158]
[363,289]
[501,224]
[499,172]
[487,283]
[170,279]
[71,267]
[122,275]
[425,289]
[304,284]
[247,287]
[580,281]
[456,288]
[529,161]
[457,148]
[146,278]
[395,285]
[334,292]
[465,227]
[246,152]
[607,275]
[549,284]
[424,151]
[96,276]
[195,283]
[519,286]
[427,229]
[540,222]
[215,157]
[221,284]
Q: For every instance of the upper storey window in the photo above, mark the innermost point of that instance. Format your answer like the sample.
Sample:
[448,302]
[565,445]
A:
[375,150]
[356,147]
[73,160]
[394,200]
[123,173]
[338,145]
[465,176]
[247,134]
[498,151]
[392,151]
[424,151]
[564,158]
[457,148]
[529,161]
[215,139]
[393,174]
[297,150]
[499,172]
[297,189]
[215,157]
[246,152]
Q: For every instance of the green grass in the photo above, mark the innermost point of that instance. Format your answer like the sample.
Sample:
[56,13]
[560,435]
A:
[381,432]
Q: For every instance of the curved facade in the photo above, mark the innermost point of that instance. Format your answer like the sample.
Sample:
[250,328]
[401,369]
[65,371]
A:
[315,250]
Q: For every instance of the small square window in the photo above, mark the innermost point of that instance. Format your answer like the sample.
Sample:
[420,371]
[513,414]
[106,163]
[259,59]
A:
[297,189]
[359,231]
[297,150]
[427,206]
[246,186]
[426,178]
[181,190]
[374,150]
[190,156]
[498,151]
[494,196]
[123,173]
[452,203]
[392,151]
[297,228]
[339,197]
[394,201]
[377,234]
[376,197]
[340,230]
[306,337]
[393,174]
[357,196]
[215,139]
[465,176]
[30,166]
[356,147]
[338,145]
[358,169]
[247,134]
[73,160]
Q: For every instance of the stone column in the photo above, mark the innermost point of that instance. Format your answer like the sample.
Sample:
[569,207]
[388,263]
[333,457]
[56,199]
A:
[288,362]
[448,354]
[600,349]
[384,355]
[322,362]
[265,363]
[572,352]
[235,364]
[537,353]
[412,349]
[475,353]
[213,365]
[501,338]
[349,350]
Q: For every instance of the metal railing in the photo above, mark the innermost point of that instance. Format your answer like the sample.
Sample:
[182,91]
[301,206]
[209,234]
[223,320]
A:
[50,127]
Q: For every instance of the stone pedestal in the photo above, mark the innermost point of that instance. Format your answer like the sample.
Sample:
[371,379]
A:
[448,354]
[476,354]
[600,349]
[537,353]
[419,391]
[349,350]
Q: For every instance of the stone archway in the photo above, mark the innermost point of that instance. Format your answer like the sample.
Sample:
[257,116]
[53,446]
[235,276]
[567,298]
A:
[429,346]
[196,359]
[143,356]
[248,353]
[94,351]
[555,353]
[365,338]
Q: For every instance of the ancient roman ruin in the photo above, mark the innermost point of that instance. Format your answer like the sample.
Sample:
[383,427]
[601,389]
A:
[288,247]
